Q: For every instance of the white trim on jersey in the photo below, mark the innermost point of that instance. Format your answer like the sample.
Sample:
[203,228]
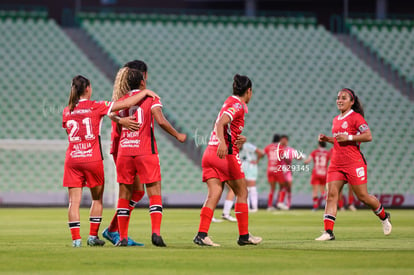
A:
[156,105]
[110,109]
[236,98]
[230,115]
[83,99]
[342,117]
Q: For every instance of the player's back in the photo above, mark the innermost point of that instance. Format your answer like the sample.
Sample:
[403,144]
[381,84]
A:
[141,142]
[320,158]
[83,126]
[274,152]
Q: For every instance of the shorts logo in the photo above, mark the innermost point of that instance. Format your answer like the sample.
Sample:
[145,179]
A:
[360,172]
[344,125]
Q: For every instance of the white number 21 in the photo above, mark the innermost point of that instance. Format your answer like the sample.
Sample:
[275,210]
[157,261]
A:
[74,129]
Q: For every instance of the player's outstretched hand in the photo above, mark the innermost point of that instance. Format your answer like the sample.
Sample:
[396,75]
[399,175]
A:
[130,123]
[322,137]
[222,150]
[240,141]
[151,94]
[181,137]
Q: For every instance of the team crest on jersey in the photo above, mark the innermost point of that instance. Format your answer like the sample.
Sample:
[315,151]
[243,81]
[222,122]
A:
[238,106]
[344,125]
[363,128]
[231,110]
[360,172]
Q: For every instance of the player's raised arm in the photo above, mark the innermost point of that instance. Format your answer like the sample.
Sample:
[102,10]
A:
[133,100]
[166,125]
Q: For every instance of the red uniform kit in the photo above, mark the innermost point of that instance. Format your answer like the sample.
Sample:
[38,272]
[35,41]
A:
[83,162]
[275,164]
[347,161]
[230,167]
[137,152]
[320,158]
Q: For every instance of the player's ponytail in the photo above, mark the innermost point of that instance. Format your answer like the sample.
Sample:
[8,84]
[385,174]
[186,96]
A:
[357,106]
[79,85]
[241,84]
[126,80]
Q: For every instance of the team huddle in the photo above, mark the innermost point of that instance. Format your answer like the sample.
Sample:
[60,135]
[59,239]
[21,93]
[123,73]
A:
[133,110]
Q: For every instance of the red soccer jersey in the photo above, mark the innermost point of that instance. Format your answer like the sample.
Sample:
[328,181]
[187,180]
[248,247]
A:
[235,109]
[83,126]
[274,152]
[348,153]
[320,159]
[141,142]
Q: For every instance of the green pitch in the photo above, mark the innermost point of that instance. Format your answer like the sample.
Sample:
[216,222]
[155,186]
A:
[38,241]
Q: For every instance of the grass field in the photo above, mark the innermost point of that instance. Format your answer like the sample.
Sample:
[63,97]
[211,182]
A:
[38,241]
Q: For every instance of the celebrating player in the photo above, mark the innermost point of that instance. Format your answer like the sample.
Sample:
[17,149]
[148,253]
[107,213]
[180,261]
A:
[348,165]
[83,162]
[274,153]
[320,158]
[221,163]
[121,88]
[138,155]
[250,156]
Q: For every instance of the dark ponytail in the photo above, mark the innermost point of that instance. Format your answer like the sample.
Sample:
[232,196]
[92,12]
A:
[357,106]
[241,84]
[134,79]
[79,85]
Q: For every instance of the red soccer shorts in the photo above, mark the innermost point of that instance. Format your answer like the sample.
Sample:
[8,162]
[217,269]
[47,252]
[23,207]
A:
[147,167]
[318,180]
[276,177]
[89,174]
[353,175]
[229,168]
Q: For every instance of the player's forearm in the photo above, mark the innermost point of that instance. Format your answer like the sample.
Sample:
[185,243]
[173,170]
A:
[129,102]
[166,126]
[220,132]
[114,117]
[364,137]
[330,139]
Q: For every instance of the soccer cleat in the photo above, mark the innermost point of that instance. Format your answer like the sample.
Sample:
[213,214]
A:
[206,241]
[123,242]
[271,209]
[113,237]
[157,240]
[386,224]
[252,240]
[314,209]
[282,206]
[352,207]
[131,242]
[228,218]
[326,236]
[77,243]
[95,241]
[253,210]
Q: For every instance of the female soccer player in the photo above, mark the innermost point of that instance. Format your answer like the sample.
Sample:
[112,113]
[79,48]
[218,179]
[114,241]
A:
[274,152]
[348,164]
[83,162]
[250,156]
[221,163]
[138,155]
[320,158]
[121,88]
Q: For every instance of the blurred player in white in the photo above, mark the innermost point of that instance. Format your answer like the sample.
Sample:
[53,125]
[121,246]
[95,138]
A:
[82,119]
[250,156]
[320,158]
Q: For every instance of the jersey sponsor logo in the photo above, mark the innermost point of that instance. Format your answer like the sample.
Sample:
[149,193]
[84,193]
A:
[81,153]
[82,146]
[231,110]
[360,172]
[344,125]
[362,128]
[238,106]
[340,133]
[130,143]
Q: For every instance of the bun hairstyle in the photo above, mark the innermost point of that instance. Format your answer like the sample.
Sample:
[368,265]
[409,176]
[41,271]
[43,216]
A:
[357,106]
[126,80]
[78,87]
[241,84]
[276,138]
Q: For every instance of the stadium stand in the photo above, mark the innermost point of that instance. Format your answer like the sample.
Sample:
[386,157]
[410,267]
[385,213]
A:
[391,40]
[296,67]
